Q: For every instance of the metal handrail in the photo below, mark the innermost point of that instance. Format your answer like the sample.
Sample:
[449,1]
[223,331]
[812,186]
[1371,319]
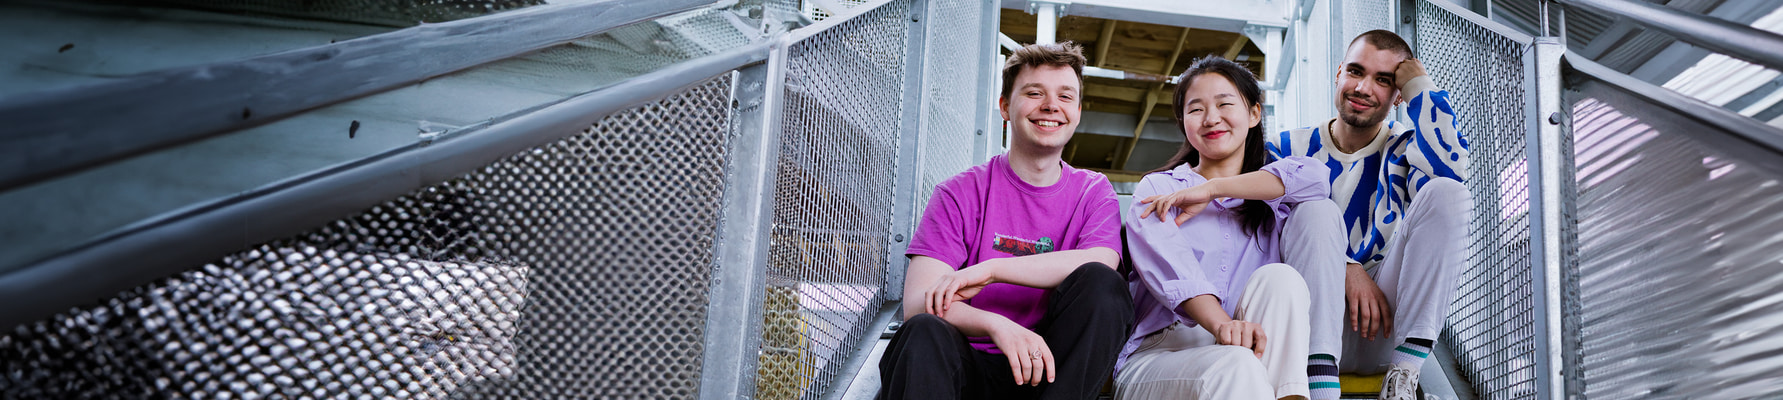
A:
[60,131]
[1734,40]
[174,242]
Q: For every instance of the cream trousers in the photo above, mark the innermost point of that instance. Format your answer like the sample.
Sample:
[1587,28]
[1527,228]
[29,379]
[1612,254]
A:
[1182,362]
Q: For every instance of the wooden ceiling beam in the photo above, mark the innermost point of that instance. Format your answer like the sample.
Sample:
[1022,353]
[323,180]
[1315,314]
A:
[1125,93]
[1180,41]
[1237,47]
[1151,101]
[1103,42]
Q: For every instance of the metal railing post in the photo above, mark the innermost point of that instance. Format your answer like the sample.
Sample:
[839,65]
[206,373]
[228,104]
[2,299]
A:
[1548,193]
[910,155]
[986,144]
[733,328]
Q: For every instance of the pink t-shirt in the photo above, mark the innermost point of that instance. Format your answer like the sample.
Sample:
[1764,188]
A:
[988,212]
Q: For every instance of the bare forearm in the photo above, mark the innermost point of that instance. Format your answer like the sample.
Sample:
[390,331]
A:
[1254,185]
[1047,270]
[1205,310]
[972,321]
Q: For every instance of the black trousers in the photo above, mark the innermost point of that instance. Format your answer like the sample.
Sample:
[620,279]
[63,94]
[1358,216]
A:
[1088,319]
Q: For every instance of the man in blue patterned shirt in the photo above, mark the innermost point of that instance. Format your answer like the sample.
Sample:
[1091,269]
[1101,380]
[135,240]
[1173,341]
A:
[1406,210]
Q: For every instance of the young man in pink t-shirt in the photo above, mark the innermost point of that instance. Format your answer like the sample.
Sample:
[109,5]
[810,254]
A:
[1011,290]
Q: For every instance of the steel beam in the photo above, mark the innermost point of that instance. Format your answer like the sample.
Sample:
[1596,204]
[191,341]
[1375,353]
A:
[51,133]
[1734,40]
[734,314]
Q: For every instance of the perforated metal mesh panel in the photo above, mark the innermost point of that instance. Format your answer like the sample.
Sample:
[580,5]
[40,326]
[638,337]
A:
[832,206]
[381,12]
[1492,320]
[1679,240]
[577,269]
[815,13]
[951,75]
[1366,15]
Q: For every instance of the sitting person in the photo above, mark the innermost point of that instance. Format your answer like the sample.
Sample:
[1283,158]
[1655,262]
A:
[1010,291]
[1220,316]
[1405,207]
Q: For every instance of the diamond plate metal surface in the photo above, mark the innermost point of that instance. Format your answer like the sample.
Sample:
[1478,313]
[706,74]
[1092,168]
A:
[576,269]
[1491,324]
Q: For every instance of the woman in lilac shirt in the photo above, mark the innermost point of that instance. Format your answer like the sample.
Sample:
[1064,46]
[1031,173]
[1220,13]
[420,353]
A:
[1220,316]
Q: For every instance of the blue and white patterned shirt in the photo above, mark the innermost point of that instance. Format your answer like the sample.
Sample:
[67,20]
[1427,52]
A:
[1374,185]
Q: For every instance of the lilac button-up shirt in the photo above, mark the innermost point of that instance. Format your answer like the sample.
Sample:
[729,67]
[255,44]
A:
[1210,254]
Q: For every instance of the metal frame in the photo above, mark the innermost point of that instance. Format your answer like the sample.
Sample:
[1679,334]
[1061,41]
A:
[56,132]
[990,64]
[863,350]
[1543,145]
[176,241]
[733,327]
[1408,21]
[910,154]
[1339,46]
[1734,40]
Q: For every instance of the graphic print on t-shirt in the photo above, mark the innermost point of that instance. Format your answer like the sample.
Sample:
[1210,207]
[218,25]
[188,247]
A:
[1021,247]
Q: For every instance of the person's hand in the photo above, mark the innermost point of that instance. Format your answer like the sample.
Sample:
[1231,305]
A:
[1369,312]
[1244,334]
[1407,70]
[1188,202]
[1029,357]
[954,286]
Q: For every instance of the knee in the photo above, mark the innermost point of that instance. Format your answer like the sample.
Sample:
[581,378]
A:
[1098,277]
[1315,218]
[922,335]
[1282,282]
[1279,276]
[1100,284]
[1099,280]
[927,330]
[1445,192]
[1315,211]
[926,325]
[1443,199]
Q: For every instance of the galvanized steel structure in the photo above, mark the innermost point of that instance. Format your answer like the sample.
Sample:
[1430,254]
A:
[727,218]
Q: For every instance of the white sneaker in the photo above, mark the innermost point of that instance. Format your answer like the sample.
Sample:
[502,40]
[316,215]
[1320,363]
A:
[1401,382]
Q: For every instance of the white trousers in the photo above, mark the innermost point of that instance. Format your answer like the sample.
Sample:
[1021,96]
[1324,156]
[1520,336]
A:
[1312,241]
[1182,362]
[1423,257]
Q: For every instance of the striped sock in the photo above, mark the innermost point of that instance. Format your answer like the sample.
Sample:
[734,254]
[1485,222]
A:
[1413,351]
[1321,375]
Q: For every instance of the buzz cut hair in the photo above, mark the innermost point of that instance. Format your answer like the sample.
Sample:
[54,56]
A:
[1384,40]
[1036,55]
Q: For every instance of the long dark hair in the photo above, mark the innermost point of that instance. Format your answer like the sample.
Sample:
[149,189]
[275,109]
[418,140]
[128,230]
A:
[1255,215]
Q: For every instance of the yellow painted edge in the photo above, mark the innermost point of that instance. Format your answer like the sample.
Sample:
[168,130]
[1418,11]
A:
[1353,383]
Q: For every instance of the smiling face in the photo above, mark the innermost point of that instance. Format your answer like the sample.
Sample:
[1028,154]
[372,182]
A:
[1365,85]
[1042,107]
[1216,118]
